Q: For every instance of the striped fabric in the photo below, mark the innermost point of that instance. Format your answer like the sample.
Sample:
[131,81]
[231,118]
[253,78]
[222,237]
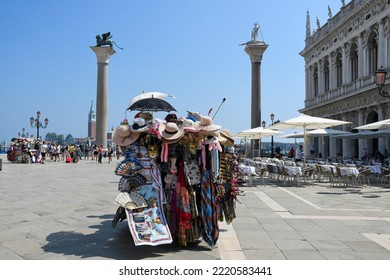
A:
[209,212]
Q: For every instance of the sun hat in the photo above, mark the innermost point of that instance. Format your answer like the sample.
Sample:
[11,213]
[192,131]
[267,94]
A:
[171,118]
[145,115]
[191,118]
[170,131]
[122,136]
[225,137]
[139,125]
[188,125]
[206,125]
[196,115]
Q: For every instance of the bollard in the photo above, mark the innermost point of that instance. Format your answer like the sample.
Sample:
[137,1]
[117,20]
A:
[1,163]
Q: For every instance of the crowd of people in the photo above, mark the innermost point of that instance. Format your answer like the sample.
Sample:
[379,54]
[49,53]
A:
[24,150]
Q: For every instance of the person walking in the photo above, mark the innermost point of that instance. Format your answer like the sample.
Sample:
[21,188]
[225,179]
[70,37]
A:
[43,150]
[100,153]
[95,152]
[118,152]
[110,151]
[87,151]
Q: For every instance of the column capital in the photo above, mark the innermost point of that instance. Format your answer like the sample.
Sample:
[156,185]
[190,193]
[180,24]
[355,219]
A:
[255,51]
[103,54]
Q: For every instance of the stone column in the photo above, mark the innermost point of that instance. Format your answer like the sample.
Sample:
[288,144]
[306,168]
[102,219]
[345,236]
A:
[345,65]
[362,142]
[255,51]
[346,142]
[381,45]
[103,55]
[360,56]
[381,140]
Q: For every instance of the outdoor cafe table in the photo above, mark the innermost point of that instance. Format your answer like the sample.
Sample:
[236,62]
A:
[293,170]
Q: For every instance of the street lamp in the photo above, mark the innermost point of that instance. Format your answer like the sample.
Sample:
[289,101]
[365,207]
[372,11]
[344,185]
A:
[380,78]
[37,123]
[23,135]
[272,137]
[261,150]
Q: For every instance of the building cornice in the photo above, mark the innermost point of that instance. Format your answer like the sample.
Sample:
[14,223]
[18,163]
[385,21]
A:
[346,23]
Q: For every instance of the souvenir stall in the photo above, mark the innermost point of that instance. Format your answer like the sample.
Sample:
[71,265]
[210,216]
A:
[178,178]
[20,150]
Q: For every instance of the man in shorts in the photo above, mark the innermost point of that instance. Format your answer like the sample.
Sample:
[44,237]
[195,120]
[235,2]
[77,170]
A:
[43,150]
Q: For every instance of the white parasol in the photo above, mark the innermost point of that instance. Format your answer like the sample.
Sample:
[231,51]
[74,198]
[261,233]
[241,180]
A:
[256,133]
[375,125]
[307,122]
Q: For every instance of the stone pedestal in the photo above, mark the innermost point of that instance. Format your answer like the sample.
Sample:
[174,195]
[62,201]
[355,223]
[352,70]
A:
[255,51]
[103,55]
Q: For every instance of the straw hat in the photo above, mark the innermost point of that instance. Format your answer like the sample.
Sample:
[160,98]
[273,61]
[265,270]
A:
[170,132]
[206,125]
[225,137]
[139,125]
[196,115]
[122,136]
[188,125]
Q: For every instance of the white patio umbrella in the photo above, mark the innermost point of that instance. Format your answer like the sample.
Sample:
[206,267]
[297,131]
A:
[381,133]
[375,125]
[307,122]
[363,134]
[256,133]
[292,135]
[326,132]
[315,133]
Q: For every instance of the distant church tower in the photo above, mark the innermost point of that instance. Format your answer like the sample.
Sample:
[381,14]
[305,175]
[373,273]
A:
[92,123]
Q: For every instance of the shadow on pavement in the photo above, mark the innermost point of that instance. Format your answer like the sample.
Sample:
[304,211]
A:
[111,243]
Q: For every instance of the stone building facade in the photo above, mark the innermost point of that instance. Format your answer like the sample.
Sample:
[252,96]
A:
[341,58]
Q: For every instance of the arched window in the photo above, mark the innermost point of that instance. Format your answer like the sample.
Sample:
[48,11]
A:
[372,46]
[339,70]
[315,81]
[354,62]
[326,76]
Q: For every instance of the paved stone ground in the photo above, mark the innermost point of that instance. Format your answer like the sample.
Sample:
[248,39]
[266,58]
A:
[63,211]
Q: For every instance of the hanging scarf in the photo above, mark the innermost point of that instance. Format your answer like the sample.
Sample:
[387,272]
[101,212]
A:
[164,152]
[183,209]
[209,212]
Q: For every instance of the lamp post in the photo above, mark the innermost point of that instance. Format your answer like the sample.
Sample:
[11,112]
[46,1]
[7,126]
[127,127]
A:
[261,150]
[23,134]
[37,123]
[380,78]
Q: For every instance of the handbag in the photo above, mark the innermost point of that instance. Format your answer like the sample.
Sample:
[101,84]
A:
[192,172]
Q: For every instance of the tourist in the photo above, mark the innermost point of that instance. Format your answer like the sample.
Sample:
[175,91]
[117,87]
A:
[109,153]
[43,150]
[118,152]
[57,153]
[87,150]
[100,154]
[299,154]
[95,152]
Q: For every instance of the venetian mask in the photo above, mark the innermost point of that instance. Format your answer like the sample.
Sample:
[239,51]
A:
[153,151]
[192,147]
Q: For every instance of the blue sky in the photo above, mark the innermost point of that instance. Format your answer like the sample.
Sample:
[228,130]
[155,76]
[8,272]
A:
[189,49]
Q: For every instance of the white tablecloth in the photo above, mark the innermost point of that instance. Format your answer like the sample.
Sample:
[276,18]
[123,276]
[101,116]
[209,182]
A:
[293,170]
[375,169]
[247,170]
[349,171]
